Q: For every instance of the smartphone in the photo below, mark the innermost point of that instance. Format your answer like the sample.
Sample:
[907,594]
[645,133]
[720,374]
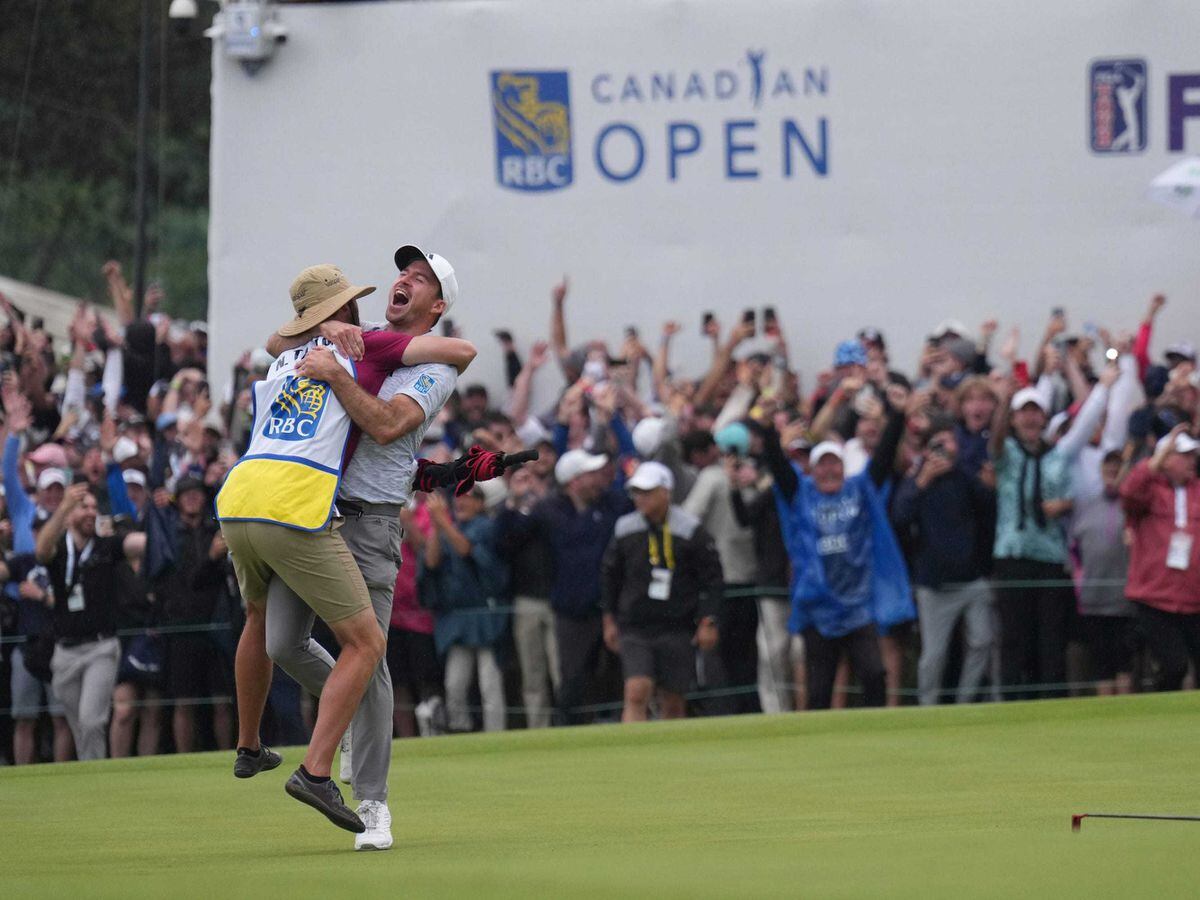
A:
[769,322]
[631,331]
[1058,313]
[708,320]
[447,327]
[37,323]
[749,317]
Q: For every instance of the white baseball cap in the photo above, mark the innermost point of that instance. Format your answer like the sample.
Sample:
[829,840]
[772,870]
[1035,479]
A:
[441,268]
[950,326]
[1184,443]
[1025,396]
[649,476]
[647,436]
[133,476]
[51,477]
[125,448]
[574,463]
[826,448]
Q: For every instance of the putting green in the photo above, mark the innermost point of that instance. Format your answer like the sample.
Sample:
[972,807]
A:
[945,801]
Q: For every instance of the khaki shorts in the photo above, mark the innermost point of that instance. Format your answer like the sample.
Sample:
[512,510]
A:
[317,565]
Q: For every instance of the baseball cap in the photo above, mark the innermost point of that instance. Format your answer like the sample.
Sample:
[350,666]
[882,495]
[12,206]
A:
[1184,443]
[734,438]
[961,349]
[49,455]
[51,477]
[1182,349]
[125,448]
[650,476]
[441,268]
[850,353]
[133,476]
[950,326]
[1025,396]
[574,463]
[647,435]
[872,336]
[165,421]
[826,448]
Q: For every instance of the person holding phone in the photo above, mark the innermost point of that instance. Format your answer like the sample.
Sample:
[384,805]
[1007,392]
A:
[948,514]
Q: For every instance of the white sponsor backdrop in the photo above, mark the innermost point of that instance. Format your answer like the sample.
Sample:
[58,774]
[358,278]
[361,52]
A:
[960,180]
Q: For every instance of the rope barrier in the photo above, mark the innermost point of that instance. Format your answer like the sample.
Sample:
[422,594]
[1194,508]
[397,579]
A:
[753,592]
[985,695]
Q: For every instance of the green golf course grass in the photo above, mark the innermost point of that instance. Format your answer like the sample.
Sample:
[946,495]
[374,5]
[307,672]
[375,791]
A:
[943,802]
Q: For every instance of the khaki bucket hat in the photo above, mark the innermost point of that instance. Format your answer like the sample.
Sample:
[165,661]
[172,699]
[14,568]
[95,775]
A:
[317,293]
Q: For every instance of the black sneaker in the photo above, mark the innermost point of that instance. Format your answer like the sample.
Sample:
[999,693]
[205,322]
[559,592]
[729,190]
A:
[249,764]
[324,797]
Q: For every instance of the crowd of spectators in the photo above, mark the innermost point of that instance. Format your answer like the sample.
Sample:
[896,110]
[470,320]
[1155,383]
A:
[988,524]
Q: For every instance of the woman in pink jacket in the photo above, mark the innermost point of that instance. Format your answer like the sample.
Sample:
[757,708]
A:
[1161,497]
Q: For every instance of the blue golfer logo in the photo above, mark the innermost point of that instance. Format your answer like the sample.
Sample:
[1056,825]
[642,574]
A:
[297,410]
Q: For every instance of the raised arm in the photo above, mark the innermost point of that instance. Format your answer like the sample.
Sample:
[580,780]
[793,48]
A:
[518,403]
[721,361]
[430,348]
[1090,414]
[52,532]
[1001,420]
[558,325]
[661,368]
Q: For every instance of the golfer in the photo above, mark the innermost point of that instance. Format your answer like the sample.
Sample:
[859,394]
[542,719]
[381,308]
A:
[377,483]
[278,516]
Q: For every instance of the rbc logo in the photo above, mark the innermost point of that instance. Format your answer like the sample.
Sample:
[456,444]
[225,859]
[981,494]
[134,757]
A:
[1117,119]
[532,113]
[297,410]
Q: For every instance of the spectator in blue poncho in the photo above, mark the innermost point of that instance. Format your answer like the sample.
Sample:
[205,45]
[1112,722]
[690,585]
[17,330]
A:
[848,573]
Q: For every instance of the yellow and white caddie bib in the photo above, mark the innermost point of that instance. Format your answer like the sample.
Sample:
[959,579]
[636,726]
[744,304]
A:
[290,472]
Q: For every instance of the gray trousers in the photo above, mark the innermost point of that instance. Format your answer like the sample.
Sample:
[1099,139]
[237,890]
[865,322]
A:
[461,665]
[537,651]
[83,680]
[375,542]
[939,611]
[775,694]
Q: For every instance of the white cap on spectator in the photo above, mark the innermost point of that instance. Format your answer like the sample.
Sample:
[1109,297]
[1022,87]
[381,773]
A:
[574,463]
[532,432]
[133,476]
[1182,349]
[647,436]
[1184,443]
[260,358]
[494,493]
[649,476]
[51,477]
[1025,396]
[950,326]
[125,448]
[826,448]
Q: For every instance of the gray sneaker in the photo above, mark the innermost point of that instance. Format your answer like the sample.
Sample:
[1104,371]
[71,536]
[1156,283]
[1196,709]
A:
[324,797]
[248,765]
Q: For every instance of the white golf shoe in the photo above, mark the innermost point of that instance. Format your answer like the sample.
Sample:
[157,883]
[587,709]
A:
[345,773]
[378,819]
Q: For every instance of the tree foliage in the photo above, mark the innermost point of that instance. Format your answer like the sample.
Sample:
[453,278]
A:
[68,139]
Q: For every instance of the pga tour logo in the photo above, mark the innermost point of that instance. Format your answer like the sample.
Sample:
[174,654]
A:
[532,115]
[1117,119]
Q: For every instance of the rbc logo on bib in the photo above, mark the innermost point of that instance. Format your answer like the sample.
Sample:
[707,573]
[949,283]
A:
[1117,118]
[297,410]
[532,114]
